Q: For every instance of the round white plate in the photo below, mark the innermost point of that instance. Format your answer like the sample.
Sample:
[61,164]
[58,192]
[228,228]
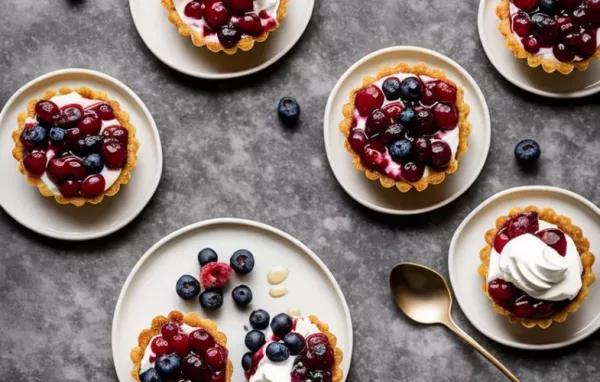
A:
[150,288]
[43,215]
[371,194]
[533,80]
[178,52]
[464,260]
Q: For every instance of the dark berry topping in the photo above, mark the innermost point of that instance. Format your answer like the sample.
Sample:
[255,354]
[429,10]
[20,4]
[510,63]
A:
[319,357]
[502,238]
[58,136]
[368,99]
[277,352]
[501,290]
[392,134]
[74,136]
[247,361]
[34,137]
[295,342]
[242,295]
[393,110]
[281,324]
[69,188]
[240,5]
[412,172]
[66,168]
[549,6]
[428,97]
[444,92]
[400,150]
[35,163]
[93,163]
[391,88]
[93,186]
[150,375]
[531,44]
[422,149]
[377,122]
[242,261]
[211,299]
[526,5]
[526,222]
[424,122]
[259,319]
[527,151]
[441,154]
[408,118]
[180,342]
[216,15]
[47,112]
[250,24]
[169,330]
[216,358]
[90,125]
[195,368]
[445,116]
[114,154]
[228,36]
[288,111]
[88,145]
[187,287]
[116,132]
[201,341]
[411,89]
[168,365]
[194,10]
[105,112]
[563,53]
[545,28]
[207,255]
[71,116]
[522,24]
[358,141]
[555,238]
[254,340]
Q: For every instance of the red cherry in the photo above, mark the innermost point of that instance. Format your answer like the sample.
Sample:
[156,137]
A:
[563,53]
[441,154]
[424,121]
[373,155]
[104,111]
[502,238]
[522,307]
[392,133]
[543,308]
[160,346]
[531,44]
[180,343]
[428,97]
[368,99]
[66,168]
[219,377]
[318,357]
[444,92]
[393,110]
[584,42]
[412,172]
[216,15]
[216,358]
[250,24]
[195,368]
[445,116]
[90,125]
[169,330]
[501,290]
[555,238]
[569,5]
[593,7]
[522,24]
[545,28]
[526,5]
[377,122]
[357,140]
[565,25]
[200,341]
[117,132]
[240,5]
[69,188]
[526,222]
[114,154]
[71,116]
[582,15]
[194,10]
[422,149]
[35,163]
[93,186]
[48,112]
[74,136]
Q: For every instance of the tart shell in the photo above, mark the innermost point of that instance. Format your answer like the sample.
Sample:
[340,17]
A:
[120,115]
[583,247]
[515,46]
[336,371]
[435,176]
[245,44]
[191,319]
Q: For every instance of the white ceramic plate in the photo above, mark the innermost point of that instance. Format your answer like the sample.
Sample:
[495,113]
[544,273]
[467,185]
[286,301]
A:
[371,194]
[43,215]
[178,52]
[150,288]
[534,80]
[464,260]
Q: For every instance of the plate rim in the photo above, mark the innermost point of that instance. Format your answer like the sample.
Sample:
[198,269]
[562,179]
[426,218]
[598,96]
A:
[226,76]
[544,93]
[467,220]
[115,82]
[399,49]
[241,222]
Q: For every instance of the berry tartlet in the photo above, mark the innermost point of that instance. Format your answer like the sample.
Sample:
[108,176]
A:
[407,126]
[537,267]
[75,145]
[226,25]
[297,350]
[181,347]
[559,35]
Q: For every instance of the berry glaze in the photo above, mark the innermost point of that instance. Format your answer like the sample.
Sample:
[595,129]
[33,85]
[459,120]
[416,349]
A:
[296,368]
[71,160]
[383,117]
[228,21]
[535,268]
[563,30]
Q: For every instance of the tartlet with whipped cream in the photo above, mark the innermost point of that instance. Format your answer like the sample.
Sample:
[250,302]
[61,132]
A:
[537,267]
[226,25]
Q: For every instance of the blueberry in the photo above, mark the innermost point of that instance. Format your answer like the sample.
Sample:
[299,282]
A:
[187,287]
[242,261]
[391,88]
[150,375]
[289,111]
[527,151]
[254,340]
[410,89]
[242,295]
[318,376]
[168,365]
[259,319]
[88,145]
[281,324]
[58,136]
[407,118]
[295,342]
[400,150]
[211,299]
[247,361]
[277,352]
[35,136]
[93,163]
[207,255]
[549,6]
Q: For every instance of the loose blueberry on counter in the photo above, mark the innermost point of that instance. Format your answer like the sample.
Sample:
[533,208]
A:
[150,375]
[58,136]
[527,151]
[259,319]
[254,340]
[187,287]
[168,365]
[242,295]
[410,89]
[391,89]
[242,261]
[93,163]
[289,111]
[211,299]
[247,361]
[281,324]
[207,255]
[35,136]
[295,342]
[400,150]
[277,352]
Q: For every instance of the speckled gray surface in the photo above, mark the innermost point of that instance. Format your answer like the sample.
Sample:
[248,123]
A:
[57,298]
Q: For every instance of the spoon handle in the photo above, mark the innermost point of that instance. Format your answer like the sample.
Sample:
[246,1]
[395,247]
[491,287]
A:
[458,331]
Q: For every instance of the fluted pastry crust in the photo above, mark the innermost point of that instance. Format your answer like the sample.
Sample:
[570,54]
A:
[337,373]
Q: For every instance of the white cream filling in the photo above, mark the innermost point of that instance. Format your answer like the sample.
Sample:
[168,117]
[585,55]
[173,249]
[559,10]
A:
[148,353]
[269,371]
[451,137]
[537,269]
[270,6]
[544,52]
[110,176]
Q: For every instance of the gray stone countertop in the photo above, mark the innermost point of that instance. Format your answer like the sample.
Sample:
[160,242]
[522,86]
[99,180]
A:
[57,298]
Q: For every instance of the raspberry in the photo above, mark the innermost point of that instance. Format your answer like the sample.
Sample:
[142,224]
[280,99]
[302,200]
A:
[215,275]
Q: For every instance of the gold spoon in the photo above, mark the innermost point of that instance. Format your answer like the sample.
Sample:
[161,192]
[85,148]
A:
[423,295]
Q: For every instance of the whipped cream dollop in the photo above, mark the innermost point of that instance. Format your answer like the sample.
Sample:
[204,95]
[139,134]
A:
[269,371]
[537,269]
[149,354]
